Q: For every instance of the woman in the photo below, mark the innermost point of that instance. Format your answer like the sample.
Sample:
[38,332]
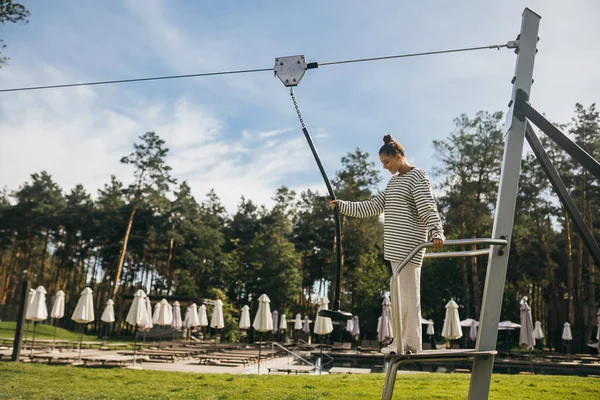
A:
[411,217]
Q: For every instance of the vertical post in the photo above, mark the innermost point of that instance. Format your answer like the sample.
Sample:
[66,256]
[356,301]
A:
[505,211]
[18,342]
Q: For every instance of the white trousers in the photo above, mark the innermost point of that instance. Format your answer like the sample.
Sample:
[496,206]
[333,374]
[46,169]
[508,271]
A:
[405,290]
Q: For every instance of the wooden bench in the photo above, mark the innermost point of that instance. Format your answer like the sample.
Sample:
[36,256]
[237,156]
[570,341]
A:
[113,360]
[57,358]
[171,356]
[340,346]
[369,345]
[232,358]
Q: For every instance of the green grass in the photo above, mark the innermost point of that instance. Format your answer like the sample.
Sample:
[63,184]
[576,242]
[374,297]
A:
[42,332]
[27,381]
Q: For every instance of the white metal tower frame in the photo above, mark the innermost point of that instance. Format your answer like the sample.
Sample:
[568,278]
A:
[505,210]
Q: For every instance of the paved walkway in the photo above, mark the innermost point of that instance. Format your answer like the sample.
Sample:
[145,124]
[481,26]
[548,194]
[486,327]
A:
[190,365]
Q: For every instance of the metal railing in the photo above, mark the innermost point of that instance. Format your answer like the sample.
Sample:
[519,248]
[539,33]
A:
[298,356]
[450,254]
[445,254]
[306,344]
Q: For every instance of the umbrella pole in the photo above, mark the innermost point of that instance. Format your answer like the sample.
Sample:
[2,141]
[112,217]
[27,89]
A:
[531,360]
[80,341]
[134,344]
[321,358]
[33,341]
[26,330]
[259,346]
[54,337]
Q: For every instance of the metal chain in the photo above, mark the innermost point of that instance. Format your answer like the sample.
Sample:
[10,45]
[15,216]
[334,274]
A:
[297,109]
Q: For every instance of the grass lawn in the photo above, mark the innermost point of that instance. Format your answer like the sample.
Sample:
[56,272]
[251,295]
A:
[42,332]
[26,381]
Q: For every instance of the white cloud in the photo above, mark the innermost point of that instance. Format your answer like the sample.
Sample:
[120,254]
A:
[79,138]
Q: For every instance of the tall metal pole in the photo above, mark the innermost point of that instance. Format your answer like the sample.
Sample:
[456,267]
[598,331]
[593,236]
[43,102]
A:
[18,342]
[505,211]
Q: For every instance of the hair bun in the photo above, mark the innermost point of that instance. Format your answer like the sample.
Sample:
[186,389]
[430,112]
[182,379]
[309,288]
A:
[387,139]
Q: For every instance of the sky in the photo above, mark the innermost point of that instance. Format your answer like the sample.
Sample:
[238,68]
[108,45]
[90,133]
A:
[239,134]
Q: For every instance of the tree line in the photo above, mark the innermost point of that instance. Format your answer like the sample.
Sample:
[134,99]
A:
[154,234]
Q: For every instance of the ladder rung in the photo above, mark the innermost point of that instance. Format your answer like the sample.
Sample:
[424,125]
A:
[440,355]
[466,253]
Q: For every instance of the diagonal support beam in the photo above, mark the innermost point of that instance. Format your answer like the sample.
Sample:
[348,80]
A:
[563,194]
[525,110]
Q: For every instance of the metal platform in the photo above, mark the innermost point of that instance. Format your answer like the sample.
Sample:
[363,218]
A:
[427,356]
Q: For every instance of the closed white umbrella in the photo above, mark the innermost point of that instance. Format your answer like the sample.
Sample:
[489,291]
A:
[202,315]
[306,325]
[526,333]
[526,336]
[138,313]
[30,297]
[430,329]
[138,316]
[323,325]
[84,310]
[37,310]
[298,322]
[355,327]
[149,324]
[263,321]
[176,323]
[283,323]
[165,313]
[473,330]
[567,337]
[191,317]
[108,316]
[537,331]
[216,320]
[451,329]
[156,313]
[84,313]
[384,331]
[58,311]
[350,325]
[58,308]
[275,321]
[245,318]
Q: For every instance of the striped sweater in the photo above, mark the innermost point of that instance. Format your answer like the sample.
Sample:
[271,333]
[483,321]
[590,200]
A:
[410,214]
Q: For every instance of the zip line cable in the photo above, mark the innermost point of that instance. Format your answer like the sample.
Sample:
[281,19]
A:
[245,71]
[156,78]
[428,53]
